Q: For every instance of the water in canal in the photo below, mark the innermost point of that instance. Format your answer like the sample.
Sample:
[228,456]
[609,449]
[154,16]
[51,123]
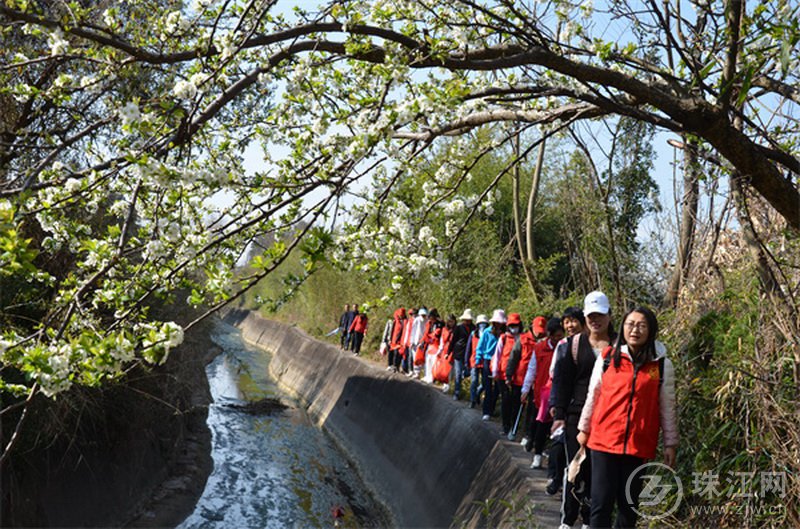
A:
[272,469]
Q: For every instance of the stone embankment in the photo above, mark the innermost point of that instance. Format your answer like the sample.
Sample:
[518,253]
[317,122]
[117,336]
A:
[430,459]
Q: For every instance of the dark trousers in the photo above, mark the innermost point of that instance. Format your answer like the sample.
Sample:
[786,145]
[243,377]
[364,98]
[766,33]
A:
[610,473]
[355,343]
[530,416]
[541,431]
[394,358]
[344,339]
[575,500]
[557,461]
[489,387]
[505,404]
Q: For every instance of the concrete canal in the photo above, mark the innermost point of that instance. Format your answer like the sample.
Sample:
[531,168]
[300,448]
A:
[273,467]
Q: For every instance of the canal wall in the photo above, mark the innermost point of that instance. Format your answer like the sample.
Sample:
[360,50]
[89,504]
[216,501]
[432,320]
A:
[431,460]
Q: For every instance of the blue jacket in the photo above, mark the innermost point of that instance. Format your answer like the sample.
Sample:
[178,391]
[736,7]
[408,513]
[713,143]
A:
[486,345]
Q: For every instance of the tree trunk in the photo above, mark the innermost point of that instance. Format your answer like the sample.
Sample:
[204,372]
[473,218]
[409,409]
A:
[689,202]
[537,176]
[750,237]
[529,274]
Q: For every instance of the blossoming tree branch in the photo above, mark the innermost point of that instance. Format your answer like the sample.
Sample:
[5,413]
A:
[123,125]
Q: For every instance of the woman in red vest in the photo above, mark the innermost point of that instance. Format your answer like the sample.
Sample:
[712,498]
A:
[358,329]
[395,339]
[512,348]
[631,396]
[431,338]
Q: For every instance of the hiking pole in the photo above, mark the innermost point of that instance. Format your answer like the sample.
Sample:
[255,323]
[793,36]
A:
[516,424]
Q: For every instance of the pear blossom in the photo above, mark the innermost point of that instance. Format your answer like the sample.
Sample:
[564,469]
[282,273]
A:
[130,113]
[58,44]
[185,90]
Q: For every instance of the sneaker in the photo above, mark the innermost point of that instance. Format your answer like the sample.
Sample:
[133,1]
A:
[445,388]
[524,442]
[485,418]
[552,487]
[537,461]
[564,526]
[584,526]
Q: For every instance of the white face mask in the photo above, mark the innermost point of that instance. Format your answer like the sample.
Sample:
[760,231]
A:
[513,329]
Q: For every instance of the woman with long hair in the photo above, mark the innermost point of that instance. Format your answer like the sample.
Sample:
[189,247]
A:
[631,397]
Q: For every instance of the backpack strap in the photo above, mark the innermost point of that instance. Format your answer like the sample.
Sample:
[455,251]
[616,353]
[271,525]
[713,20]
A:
[607,357]
[575,344]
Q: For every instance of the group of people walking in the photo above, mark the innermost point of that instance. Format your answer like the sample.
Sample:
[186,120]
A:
[599,396]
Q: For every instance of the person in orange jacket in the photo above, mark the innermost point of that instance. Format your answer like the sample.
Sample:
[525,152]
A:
[395,339]
[513,348]
[631,397]
[405,342]
[443,362]
[532,388]
[431,339]
[358,329]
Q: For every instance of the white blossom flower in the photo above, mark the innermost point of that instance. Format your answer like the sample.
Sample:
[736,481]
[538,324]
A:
[425,233]
[184,90]
[454,207]
[130,113]
[58,45]
[72,185]
[173,333]
[175,22]
[108,18]
[198,79]
[450,227]
[225,42]
[154,248]
[200,5]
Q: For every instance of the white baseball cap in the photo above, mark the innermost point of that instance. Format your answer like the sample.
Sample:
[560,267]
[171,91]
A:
[467,315]
[422,312]
[481,319]
[498,316]
[596,303]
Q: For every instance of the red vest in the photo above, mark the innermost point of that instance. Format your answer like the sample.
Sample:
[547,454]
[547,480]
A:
[475,340]
[447,337]
[432,336]
[405,341]
[397,329]
[528,344]
[505,353]
[544,356]
[359,323]
[626,417]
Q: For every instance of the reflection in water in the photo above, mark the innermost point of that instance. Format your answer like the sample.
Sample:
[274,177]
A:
[275,470]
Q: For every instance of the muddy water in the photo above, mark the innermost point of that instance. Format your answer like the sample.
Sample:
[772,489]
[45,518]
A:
[272,468]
